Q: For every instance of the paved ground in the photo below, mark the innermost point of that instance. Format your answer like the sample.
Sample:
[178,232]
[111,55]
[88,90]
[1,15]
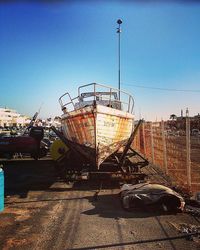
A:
[43,212]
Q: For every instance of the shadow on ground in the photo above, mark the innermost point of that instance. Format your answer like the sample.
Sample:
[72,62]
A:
[30,175]
[22,176]
[109,206]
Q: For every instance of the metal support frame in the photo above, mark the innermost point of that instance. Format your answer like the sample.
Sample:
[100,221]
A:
[67,142]
[128,145]
[124,168]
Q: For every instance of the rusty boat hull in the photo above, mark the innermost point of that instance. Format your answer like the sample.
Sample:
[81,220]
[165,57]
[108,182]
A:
[96,128]
[97,131]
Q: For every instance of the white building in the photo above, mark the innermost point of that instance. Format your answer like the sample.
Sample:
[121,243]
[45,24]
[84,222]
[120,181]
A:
[9,117]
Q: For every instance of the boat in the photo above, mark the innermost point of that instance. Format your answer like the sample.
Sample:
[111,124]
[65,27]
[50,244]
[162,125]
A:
[97,123]
[30,143]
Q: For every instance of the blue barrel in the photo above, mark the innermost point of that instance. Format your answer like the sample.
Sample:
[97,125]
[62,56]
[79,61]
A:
[1,190]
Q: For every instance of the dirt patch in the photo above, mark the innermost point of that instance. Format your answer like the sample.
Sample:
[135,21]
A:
[18,213]
[14,243]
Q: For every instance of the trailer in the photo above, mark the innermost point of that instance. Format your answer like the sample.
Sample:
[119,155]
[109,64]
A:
[124,164]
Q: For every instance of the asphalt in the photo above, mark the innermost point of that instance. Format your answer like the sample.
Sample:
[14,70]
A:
[44,212]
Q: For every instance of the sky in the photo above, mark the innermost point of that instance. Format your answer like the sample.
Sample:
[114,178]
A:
[48,48]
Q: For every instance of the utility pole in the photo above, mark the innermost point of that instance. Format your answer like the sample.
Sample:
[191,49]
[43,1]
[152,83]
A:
[119,21]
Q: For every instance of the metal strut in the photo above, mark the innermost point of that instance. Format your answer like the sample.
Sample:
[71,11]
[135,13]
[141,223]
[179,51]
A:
[128,146]
[124,168]
[67,142]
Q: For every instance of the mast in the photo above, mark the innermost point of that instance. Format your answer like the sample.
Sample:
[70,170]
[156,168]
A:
[119,21]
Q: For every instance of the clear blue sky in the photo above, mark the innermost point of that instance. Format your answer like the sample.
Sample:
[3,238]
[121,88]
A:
[47,49]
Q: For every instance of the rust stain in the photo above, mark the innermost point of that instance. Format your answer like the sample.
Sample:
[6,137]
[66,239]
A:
[112,132]
[80,127]
[113,128]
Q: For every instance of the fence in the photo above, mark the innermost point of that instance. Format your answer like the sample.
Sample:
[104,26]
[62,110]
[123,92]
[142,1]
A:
[171,146]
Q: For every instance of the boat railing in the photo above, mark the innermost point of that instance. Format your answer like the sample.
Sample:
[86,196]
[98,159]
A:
[107,97]
[125,103]
[67,103]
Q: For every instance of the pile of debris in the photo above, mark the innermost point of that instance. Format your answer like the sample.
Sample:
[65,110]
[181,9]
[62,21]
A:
[191,232]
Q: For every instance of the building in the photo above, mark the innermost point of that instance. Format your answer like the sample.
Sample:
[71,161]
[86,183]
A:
[179,122]
[10,117]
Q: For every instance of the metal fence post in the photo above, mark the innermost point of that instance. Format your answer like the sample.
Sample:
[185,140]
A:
[164,147]
[152,144]
[138,141]
[188,150]
[144,139]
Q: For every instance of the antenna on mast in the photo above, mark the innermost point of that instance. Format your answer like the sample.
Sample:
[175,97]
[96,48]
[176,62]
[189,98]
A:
[119,21]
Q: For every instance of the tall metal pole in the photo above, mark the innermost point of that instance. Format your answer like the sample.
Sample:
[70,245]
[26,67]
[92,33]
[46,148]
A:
[119,21]
[188,150]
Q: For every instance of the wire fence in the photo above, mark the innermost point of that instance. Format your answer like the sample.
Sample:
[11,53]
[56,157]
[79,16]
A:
[171,146]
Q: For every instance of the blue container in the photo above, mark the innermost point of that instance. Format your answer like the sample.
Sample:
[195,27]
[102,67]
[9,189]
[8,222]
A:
[1,190]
